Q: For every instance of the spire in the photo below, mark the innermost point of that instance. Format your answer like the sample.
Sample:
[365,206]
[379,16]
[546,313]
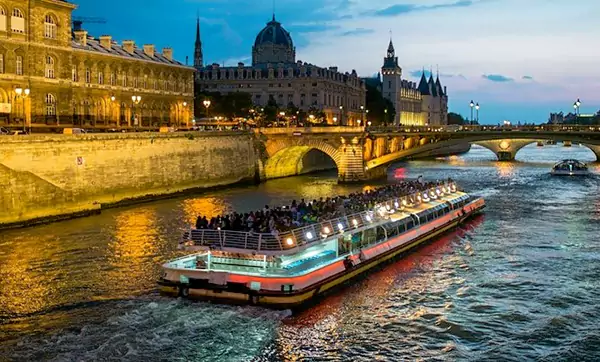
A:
[423,86]
[274,11]
[198,57]
[391,52]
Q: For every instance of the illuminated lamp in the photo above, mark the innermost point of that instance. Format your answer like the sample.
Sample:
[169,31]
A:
[368,218]
[396,204]
[354,222]
[326,230]
[340,226]
[309,235]
[289,241]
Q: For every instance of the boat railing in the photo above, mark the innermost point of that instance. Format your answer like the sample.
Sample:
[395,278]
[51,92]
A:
[290,240]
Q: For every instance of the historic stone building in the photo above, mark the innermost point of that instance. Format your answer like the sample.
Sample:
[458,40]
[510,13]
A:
[276,74]
[52,75]
[419,105]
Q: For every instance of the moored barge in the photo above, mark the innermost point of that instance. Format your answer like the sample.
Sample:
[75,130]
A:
[292,268]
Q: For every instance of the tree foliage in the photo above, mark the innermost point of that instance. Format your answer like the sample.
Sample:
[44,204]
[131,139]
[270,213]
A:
[455,118]
[230,105]
[377,106]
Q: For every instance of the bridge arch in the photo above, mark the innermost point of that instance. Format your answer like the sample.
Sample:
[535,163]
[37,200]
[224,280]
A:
[289,158]
[504,145]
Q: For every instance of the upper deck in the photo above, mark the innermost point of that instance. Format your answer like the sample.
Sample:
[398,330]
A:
[299,239]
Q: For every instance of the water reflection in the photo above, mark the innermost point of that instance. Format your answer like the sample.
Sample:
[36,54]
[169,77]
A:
[135,244]
[205,206]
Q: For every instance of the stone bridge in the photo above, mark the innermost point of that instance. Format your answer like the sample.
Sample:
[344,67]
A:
[361,154]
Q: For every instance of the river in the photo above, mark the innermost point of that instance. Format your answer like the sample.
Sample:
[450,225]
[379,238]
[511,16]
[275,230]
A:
[521,282]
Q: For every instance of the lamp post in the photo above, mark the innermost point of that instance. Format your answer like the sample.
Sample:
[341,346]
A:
[135,100]
[341,115]
[477,109]
[362,111]
[282,115]
[367,116]
[22,94]
[112,109]
[206,105]
[385,112]
[471,105]
[184,114]
[578,103]
[335,120]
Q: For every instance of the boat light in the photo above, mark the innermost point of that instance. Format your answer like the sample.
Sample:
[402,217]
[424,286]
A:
[396,204]
[326,230]
[340,226]
[404,202]
[289,241]
[309,235]
[419,198]
[368,217]
[354,222]
[388,207]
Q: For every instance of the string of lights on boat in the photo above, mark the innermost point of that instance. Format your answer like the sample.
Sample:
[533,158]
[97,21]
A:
[287,242]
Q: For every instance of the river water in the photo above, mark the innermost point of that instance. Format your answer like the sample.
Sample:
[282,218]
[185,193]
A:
[521,282]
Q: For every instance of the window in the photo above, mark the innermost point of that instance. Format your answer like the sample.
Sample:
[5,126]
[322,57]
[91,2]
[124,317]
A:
[2,19]
[155,84]
[124,79]
[74,75]
[1,63]
[100,78]
[113,78]
[88,75]
[50,27]
[390,84]
[50,105]
[17,21]
[49,67]
[145,81]
[19,65]
[135,82]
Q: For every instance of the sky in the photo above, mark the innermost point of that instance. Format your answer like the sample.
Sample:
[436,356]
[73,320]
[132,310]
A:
[519,59]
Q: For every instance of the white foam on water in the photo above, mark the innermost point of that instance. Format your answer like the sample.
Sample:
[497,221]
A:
[162,329]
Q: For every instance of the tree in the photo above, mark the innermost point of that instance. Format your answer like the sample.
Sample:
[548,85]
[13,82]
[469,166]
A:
[377,106]
[236,104]
[455,118]
[271,110]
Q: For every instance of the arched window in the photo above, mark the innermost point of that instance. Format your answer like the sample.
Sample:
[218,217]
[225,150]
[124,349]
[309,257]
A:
[88,75]
[19,65]
[49,67]
[17,21]
[1,63]
[50,27]
[74,74]
[2,19]
[50,105]
[124,78]
[100,78]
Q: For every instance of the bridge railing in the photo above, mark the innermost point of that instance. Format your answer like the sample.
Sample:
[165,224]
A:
[302,130]
[289,242]
[483,128]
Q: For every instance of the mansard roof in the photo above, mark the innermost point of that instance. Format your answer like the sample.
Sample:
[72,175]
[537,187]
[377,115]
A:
[93,45]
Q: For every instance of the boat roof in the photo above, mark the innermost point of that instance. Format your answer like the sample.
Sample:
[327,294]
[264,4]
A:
[296,240]
[570,161]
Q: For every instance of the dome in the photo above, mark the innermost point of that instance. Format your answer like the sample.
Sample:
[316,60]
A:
[275,34]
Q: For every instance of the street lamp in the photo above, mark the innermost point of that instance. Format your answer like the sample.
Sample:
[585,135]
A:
[112,109]
[578,103]
[341,115]
[135,100]
[477,109]
[385,117]
[334,120]
[471,105]
[206,105]
[23,93]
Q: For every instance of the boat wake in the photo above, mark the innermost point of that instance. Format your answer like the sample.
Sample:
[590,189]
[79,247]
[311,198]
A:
[156,328]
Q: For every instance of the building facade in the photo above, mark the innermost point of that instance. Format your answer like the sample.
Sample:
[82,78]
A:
[53,75]
[276,74]
[418,105]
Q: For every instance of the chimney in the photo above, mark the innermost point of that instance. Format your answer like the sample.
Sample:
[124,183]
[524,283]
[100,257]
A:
[445,90]
[168,53]
[106,41]
[128,46]
[149,50]
[81,37]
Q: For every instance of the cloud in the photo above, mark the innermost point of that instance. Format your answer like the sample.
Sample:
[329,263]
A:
[417,74]
[358,31]
[497,78]
[399,9]
[527,77]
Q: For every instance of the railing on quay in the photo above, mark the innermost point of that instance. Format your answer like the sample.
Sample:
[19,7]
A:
[563,128]
[288,242]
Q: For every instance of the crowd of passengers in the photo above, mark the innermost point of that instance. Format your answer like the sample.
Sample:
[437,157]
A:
[298,214]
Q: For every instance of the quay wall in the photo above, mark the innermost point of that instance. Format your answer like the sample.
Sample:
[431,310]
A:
[45,177]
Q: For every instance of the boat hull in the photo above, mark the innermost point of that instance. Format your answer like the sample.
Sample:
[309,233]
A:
[567,173]
[295,299]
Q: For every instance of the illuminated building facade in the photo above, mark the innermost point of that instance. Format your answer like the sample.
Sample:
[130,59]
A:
[53,75]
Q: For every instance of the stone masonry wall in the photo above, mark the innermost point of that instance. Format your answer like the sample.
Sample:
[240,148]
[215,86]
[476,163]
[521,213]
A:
[48,176]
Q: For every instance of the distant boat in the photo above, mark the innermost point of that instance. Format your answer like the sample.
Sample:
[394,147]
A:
[570,168]
[550,142]
[540,144]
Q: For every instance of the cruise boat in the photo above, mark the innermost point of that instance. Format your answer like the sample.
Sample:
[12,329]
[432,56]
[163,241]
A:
[297,266]
[570,168]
